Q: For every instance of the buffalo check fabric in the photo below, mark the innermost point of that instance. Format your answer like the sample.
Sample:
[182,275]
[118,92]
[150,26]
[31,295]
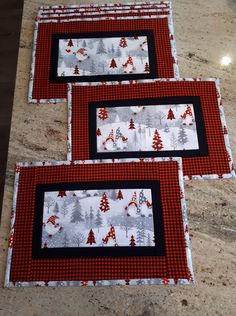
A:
[100,49]
[180,117]
[138,233]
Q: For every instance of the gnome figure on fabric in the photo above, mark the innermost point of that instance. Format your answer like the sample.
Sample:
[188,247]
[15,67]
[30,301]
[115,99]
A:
[81,54]
[120,140]
[188,116]
[52,226]
[129,66]
[132,208]
[144,205]
[110,238]
[109,143]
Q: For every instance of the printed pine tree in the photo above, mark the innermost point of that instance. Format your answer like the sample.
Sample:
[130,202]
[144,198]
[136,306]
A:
[149,123]
[76,215]
[103,114]
[91,216]
[98,132]
[120,195]
[98,220]
[139,238]
[64,209]
[131,124]
[56,208]
[86,219]
[76,70]
[123,42]
[157,142]
[101,49]
[84,44]
[70,43]
[104,204]
[118,52]
[182,136]
[113,63]
[61,193]
[170,115]
[91,239]
[149,241]
[132,241]
[173,141]
[146,68]
[112,50]
[92,67]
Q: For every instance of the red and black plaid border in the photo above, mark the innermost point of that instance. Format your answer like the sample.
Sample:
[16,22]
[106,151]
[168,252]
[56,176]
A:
[217,160]
[41,86]
[172,265]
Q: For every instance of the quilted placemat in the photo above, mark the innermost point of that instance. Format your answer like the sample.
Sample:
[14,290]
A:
[88,223]
[105,6]
[109,15]
[88,50]
[160,118]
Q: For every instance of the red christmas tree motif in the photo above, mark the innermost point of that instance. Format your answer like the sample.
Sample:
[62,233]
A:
[123,42]
[84,283]
[157,142]
[120,195]
[103,114]
[146,68]
[136,37]
[70,43]
[110,137]
[132,241]
[110,235]
[76,70]
[98,133]
[170,115]
[131,124]
[91,238]
[104,204]
[61,193]
[113,63]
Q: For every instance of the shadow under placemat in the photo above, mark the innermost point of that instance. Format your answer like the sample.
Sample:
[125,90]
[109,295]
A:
[10,24]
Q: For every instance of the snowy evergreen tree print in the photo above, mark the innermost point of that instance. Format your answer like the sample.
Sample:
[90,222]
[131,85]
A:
[182,136]
[97,218]
[56,208]
[101,48]
[76,215]
[103,56]
[135,128]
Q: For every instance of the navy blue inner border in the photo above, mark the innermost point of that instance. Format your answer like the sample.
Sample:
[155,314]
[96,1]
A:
[200,127]
[54,78]
[96,252]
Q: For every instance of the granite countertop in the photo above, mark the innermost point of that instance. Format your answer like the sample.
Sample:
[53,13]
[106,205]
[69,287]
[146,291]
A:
[205,32]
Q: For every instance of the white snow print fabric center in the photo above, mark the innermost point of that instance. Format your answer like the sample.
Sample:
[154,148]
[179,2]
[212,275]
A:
[103,56]
[98,218]
[146,128]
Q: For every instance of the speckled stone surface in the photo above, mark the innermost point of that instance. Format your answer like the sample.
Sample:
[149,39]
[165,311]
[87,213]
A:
[205,32]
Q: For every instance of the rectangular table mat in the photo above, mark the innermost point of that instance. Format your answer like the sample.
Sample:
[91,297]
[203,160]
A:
[92,223]
[152,118]
[48,80]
